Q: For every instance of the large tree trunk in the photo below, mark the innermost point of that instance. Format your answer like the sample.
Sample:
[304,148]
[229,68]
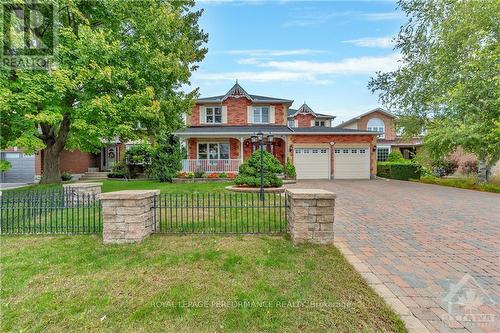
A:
[484,171]
[51,173]
[54,145]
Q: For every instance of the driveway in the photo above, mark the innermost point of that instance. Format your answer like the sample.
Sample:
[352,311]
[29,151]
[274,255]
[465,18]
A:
[435,248]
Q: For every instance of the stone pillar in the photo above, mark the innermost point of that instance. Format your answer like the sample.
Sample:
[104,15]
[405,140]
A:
[310,215]
[76,193]
[128,216]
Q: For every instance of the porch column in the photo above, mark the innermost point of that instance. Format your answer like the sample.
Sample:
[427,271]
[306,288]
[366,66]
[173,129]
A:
[286,148]
[241,149]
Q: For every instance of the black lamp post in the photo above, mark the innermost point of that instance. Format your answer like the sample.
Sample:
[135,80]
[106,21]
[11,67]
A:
[259,137]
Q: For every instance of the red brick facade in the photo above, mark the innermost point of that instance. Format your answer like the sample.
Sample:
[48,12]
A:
[304,120]
[237,112]
[390,129]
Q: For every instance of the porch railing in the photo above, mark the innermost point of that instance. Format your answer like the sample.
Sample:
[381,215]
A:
[211,165]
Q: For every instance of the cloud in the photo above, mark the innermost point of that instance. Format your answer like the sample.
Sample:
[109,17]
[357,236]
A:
[305,71]
[381,42]
[273,53]
[387,16]
[310,18]
[361,65]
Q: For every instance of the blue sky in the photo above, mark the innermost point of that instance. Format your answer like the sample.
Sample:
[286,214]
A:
[320,52]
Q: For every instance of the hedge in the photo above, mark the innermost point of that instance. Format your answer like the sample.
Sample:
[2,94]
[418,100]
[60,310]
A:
[398,170]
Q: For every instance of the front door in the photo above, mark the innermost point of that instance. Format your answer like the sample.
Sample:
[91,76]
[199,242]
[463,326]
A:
[108,157]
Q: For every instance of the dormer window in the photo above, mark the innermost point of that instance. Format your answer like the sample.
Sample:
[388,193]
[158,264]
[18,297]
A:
[213,115]
[320,123]
[260,115]
[376,125]
[291,123]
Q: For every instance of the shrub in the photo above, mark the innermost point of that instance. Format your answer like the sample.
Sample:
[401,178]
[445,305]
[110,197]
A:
[166,159]
[444,167]
[65,176]
[250,170]
[5,165]
[139,154]
[290,172]
[401,171]
[469,167]
[222,175]
[199,173]
[119,170]
[395,156]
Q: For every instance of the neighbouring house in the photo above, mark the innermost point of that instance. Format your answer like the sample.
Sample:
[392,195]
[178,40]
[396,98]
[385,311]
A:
[219,131]
[23,166]
[382,121]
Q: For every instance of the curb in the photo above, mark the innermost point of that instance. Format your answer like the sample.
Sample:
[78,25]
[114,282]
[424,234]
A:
[412,323]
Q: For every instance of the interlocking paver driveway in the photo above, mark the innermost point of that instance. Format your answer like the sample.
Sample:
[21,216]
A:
[421,240]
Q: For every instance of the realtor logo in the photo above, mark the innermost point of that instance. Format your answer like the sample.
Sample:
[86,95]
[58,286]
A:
[29,34]
[465,302]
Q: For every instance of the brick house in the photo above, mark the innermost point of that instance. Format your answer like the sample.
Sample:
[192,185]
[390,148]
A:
[219,131]
[382,121]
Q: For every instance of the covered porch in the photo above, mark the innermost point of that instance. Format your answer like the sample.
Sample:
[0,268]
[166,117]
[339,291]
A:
[226,153]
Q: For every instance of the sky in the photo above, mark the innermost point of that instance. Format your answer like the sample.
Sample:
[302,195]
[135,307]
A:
[322,53]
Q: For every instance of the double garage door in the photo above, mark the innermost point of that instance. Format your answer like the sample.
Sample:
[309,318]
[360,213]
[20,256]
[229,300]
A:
[349,163]
[22,168]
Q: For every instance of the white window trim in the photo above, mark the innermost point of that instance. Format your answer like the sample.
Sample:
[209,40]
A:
[213,115]
[268,114]
[218,150]
[320,121]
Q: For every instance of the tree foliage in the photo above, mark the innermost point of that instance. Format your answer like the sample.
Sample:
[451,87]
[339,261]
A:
[118,63]
[448,83]
[166,159]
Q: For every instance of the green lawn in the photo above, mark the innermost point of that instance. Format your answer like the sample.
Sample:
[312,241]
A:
[466,182]
[118,185]
[187,284]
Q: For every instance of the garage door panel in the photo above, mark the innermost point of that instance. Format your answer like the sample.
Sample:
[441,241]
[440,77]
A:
[312,163]
[22,168]
[351,163]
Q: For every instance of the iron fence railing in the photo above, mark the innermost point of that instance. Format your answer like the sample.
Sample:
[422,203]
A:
[49,212]
[231,213]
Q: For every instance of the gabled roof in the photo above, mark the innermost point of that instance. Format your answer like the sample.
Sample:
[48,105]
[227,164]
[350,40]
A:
[352,120]
[305,109]
[237,91]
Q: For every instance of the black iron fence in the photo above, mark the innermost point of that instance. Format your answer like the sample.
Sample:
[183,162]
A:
[231,213]
[49,212]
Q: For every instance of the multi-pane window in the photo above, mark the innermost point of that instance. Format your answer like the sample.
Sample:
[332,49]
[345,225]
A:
[261,114]
[213,115]
[213,151]
[382,154]
[319,123]
[291,123]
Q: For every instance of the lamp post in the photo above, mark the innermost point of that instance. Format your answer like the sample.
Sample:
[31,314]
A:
[259,137]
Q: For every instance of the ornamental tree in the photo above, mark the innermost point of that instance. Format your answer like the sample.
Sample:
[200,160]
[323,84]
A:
[249,173]
[447,86]
[118,64]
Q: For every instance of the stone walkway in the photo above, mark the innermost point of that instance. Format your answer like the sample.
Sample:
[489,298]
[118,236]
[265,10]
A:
[433,251]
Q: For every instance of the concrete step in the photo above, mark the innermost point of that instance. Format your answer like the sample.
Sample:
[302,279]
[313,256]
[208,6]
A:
[96,174]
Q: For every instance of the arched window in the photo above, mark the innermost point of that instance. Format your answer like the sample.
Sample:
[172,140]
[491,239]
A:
[376,125]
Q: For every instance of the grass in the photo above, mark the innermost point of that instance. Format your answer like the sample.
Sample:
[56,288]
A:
[118,185]
[466,182]
[186,284]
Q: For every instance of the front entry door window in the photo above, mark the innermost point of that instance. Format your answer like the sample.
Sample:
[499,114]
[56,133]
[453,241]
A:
[109,157]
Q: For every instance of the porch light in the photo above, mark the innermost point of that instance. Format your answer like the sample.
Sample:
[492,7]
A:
[254,138]
[260,135]
[270,138]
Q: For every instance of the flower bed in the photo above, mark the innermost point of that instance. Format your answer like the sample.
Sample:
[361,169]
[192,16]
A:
[191,177]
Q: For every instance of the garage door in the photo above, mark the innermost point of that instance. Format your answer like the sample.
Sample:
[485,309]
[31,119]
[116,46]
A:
[312,163]
[351,163]
[22,170]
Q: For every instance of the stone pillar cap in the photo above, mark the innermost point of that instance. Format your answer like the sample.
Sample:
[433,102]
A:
[129,194]
[310,193]
[82,184]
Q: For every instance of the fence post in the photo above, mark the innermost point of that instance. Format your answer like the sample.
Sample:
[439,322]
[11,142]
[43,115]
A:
[128,216]
[310,215]
[74,192]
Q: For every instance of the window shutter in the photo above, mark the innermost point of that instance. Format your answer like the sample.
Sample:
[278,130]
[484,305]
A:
[224,114]
[249,114]
[272,113]
[202,114]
